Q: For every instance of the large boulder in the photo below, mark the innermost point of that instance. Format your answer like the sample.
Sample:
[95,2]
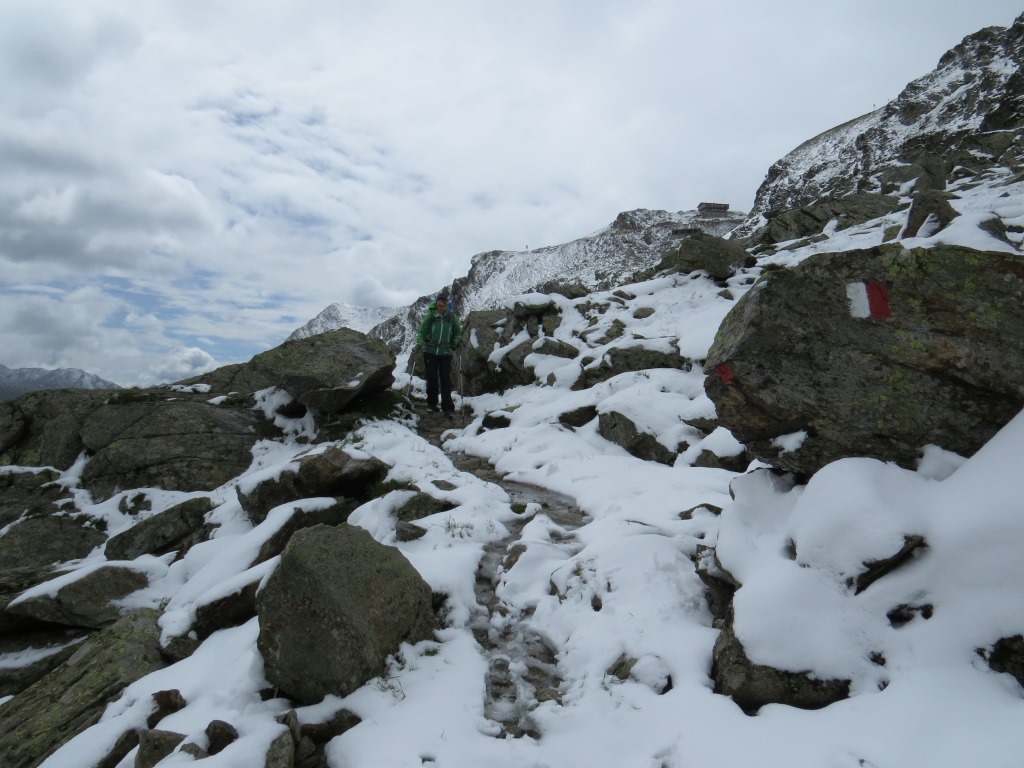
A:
[173,444]
[874,353]
[332,472]
[336,607]
[719,257]
[330,370]
[37,721]
[41,429]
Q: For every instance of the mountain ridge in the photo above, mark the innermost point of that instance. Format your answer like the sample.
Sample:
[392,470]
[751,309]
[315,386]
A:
[18,381]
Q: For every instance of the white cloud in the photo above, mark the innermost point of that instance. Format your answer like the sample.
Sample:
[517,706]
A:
[232,172]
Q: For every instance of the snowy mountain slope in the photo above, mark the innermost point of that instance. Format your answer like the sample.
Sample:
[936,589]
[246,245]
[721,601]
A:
[622,585]
[632,243]
[951,113]
[345,316]
[17,381]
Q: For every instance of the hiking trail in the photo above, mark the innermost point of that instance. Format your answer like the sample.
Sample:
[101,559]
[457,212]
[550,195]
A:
[522,668]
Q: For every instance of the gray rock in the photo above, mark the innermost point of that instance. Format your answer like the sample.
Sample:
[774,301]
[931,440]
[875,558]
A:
[721,585]
[161,533]
[338,604]
[41,429]
[939,360]
[492,329]
[173,444]
[39,541]
[620,430]
[13,582]
[155,745]
[220,735]
[73,697]
[720,258]
[752,685]
[281,753]
[330,370]
[330,473]
[1007,655]
[577,417]
[628,358]
[421,505]
[929,203]
[808,220]
[85,602]
[60,643]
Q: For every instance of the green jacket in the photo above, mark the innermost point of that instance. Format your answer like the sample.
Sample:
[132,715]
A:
[439,333]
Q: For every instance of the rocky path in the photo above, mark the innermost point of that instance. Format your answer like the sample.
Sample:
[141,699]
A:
[522,669]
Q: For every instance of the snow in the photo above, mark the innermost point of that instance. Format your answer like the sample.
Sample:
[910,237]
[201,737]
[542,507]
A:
[921,695]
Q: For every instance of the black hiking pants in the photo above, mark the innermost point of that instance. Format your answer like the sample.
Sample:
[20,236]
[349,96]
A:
[439,377]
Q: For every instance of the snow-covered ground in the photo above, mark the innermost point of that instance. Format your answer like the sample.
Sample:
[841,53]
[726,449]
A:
[921,695]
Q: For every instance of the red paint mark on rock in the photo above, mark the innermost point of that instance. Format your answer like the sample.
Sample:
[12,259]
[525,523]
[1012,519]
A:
[723,370]
[878,300]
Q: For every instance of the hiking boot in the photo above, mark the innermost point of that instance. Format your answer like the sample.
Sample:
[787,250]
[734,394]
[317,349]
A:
[449,415]
[432,408]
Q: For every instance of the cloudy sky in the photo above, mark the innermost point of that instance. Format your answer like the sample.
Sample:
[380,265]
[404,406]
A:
[187,181]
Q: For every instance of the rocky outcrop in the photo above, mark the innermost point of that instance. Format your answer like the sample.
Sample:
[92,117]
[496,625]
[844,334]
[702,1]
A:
[338,604]
[330,370]
[162,533]
[810,220]
[73,697]
[720,258]
[873,353]
[46,539]
[172,444]
[965,114]
[85,602]
[330,473]
[29,493]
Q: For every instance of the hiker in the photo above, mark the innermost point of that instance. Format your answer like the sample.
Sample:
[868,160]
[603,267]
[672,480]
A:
[440,333]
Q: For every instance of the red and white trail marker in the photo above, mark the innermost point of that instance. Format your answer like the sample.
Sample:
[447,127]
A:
[868,298]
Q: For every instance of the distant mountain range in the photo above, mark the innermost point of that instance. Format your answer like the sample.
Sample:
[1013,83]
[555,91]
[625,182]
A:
[18,381]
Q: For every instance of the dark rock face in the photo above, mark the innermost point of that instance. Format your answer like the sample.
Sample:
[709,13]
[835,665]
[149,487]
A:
[337,605]
[873,353]
[330,370]
[73,697]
